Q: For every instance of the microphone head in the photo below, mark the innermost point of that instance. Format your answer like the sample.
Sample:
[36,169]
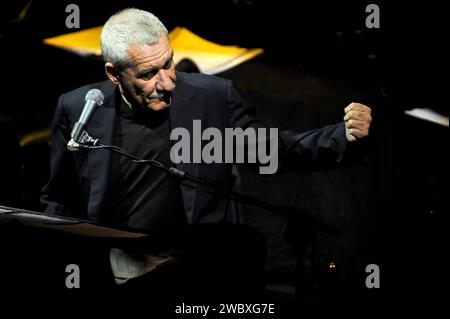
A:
[95,95]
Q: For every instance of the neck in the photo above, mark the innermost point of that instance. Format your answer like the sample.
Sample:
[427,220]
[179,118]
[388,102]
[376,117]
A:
[125,99]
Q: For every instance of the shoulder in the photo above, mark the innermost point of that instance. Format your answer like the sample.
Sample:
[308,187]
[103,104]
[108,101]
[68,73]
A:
[203,82]
[75,99]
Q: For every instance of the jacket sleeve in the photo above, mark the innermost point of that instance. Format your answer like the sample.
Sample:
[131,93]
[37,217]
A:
[320,149]
[61,195]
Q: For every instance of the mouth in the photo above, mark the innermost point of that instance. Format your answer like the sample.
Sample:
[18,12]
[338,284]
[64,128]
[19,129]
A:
[164,96]
[156,95]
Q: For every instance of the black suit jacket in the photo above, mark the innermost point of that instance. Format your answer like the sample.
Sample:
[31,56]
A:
[215,102]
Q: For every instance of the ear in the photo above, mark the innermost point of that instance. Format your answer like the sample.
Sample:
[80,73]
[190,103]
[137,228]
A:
[112,73]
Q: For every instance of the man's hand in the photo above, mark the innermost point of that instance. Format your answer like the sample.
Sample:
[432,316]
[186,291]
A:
[357,121]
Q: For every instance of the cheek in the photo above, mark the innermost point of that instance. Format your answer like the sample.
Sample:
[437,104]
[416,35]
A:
[129,86]
[144,87]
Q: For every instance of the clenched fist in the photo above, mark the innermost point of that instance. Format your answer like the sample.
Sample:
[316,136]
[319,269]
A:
[357,121]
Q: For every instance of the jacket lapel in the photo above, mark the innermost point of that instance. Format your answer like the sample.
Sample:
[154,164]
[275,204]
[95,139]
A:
[101,126]
[182,113]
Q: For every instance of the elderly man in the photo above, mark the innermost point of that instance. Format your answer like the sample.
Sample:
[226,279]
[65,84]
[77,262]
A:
[145,100]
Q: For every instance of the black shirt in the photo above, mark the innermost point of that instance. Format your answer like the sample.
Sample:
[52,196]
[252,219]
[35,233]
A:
[142,196]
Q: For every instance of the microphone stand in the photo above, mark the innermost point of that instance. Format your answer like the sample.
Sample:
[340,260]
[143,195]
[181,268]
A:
[87,142]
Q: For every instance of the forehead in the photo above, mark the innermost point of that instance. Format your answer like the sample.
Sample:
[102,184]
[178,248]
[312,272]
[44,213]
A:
[150,56]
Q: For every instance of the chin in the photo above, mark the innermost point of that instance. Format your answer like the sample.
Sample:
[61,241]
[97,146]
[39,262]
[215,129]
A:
[158,106]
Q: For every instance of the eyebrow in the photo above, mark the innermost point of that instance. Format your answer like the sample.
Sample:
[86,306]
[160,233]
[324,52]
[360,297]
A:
[144,72]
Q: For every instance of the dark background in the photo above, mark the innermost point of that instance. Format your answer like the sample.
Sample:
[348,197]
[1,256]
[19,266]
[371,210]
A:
[319,56]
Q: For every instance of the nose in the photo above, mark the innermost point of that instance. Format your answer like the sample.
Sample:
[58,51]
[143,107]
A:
[163,81]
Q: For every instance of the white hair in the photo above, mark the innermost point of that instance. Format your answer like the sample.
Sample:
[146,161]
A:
[126,28]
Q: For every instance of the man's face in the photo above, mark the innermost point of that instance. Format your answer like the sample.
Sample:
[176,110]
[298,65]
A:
[149,79]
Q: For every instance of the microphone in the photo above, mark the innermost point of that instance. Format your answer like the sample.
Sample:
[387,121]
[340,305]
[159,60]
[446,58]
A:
[94,98]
